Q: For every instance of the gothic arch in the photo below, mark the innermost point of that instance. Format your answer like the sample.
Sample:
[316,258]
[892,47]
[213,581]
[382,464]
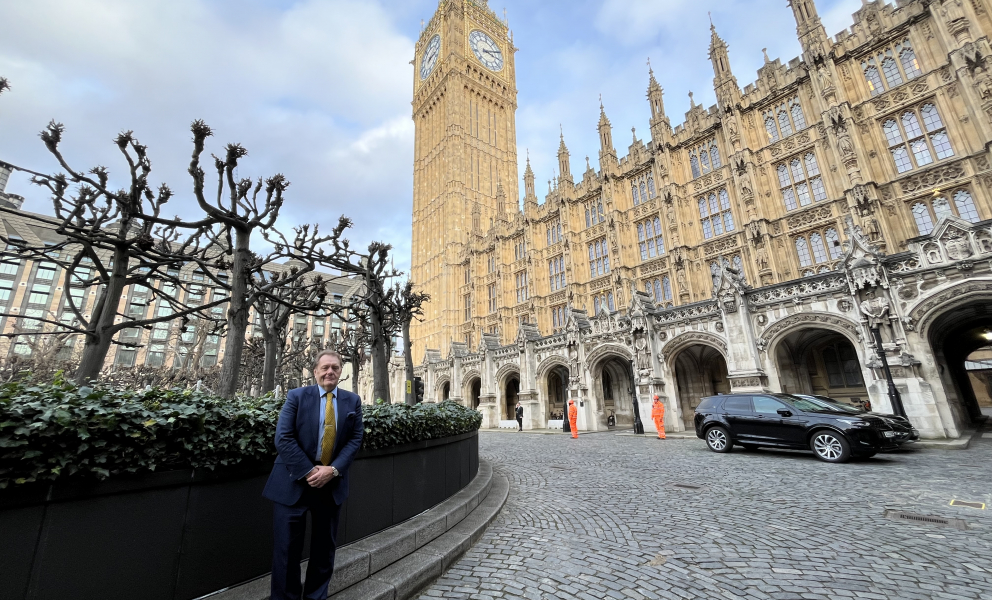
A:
[549,363]
[605,351]
[671,350]
[778,330]
[927,309]
[467,382]
[441,380]
[505,371]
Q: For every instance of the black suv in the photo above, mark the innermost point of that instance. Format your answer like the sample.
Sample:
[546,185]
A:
[787,421]
[904,430]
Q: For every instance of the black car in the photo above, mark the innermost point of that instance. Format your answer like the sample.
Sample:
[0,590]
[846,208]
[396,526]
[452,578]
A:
[904,430]
[787,421]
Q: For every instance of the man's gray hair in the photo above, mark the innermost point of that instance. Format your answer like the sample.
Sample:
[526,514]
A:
[324,353]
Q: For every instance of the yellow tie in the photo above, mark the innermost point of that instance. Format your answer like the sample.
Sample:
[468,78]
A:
[330,430]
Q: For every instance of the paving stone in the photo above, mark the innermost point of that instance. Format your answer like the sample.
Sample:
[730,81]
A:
[588,518]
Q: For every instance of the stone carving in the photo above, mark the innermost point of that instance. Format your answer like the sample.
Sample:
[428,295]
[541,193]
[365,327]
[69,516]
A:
[744,382]
[689,338]
[956,244]
[932,178]
[875,309]
[761,257]
[812,286]
[680,279]
[720,246]
[808,217]
[844,305]
[923,314]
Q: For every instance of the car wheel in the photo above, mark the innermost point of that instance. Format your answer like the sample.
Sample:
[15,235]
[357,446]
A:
[830,446]
[718,439]
[749,447]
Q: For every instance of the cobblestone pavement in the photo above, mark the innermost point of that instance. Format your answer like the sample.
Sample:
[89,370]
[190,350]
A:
[602,517]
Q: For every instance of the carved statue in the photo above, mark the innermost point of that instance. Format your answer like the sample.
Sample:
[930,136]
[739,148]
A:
[823,76]
[680,278]
[875,309]
[745,185]
[762,257]
[952,11]
[670,213]
[844,143]
[872,230]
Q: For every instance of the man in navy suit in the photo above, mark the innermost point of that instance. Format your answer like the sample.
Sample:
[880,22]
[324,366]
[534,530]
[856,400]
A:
[319,432]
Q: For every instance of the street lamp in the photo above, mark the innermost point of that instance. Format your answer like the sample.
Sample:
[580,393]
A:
[894,398]
[638,425]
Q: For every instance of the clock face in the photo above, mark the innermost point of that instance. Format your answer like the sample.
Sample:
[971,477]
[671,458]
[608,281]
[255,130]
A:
[486,50]
[430,57]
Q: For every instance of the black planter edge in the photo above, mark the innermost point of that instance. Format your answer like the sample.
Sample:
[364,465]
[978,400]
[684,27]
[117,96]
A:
[467,514]
[418,445]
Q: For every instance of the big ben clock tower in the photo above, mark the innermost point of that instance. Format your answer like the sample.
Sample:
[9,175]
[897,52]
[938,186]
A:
[465,157]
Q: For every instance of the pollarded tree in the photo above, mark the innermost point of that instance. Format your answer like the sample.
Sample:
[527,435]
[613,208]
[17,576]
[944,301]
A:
[111,239]
[251,206]
[4,85]
[275,306]
[408,305]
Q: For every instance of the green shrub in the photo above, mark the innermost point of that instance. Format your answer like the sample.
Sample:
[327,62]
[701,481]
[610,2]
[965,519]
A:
[56,430]
[392,424]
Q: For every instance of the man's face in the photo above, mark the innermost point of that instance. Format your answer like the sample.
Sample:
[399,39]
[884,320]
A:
[328,372]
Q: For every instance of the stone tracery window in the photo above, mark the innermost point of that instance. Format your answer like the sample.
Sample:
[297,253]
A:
[556,273]
[704,158]
[784,119]
[659,288]
[897,64]
[800,181]
[492,298]
[715,214]
[910,145]
[642,189]
[603,301]
[594,212]
[559,316]
[818,247]
[927,213]
[554,231]
[521,286]
[649,238]
[599,258]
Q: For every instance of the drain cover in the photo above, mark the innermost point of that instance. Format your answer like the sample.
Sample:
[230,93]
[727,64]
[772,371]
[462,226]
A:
[687,486]
[978,505]
[899,515]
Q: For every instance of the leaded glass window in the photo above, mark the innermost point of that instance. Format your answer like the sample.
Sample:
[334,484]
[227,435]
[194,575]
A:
[910,145]
[784,119]
[802,249]
[704,158]
[833,243]
[800,182]
[898,64]
[649,238]
[715,215]
[633,193]
[966,206]
[818,247]
[924,222]
[599,258]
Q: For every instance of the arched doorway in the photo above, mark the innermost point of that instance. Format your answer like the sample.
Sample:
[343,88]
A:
[557,392]
[823,362]
[614,390]
[445,391]
[959,337]
[474,392]
[511,390]
[700,371]
[979,367]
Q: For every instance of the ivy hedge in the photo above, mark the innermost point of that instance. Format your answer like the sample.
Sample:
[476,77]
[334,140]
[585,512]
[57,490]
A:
[51,431]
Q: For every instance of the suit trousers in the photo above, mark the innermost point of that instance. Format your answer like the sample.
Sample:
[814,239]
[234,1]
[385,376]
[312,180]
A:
[289,528]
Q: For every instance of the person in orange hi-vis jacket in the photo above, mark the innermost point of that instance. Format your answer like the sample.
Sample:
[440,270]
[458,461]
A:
[658,415]
[573,417]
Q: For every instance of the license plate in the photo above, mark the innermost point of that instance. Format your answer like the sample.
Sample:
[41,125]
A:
[889,434]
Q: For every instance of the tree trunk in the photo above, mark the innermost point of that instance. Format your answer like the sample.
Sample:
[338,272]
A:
[270,364]
[380,359]
[355,366]
[98,345]
[237,316]
[408,359]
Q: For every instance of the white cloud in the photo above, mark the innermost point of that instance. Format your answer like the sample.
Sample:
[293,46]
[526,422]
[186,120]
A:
[319,90]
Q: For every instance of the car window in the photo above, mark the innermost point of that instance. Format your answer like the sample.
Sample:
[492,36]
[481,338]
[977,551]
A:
[802,403]
[766,405]
[707,404]
[737,404]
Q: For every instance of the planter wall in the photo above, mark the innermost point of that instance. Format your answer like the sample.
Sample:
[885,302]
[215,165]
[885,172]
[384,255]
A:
[183,534]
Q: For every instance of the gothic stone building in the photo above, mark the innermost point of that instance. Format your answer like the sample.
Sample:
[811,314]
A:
[751,248]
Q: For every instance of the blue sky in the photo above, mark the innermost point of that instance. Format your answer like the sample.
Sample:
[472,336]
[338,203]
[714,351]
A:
[320,90]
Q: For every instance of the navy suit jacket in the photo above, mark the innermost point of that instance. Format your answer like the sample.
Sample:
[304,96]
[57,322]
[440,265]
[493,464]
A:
[297,433]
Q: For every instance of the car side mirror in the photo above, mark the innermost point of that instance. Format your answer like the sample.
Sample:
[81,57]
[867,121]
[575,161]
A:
[785,412]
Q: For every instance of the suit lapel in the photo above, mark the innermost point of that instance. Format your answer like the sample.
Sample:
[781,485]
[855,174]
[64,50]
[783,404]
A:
[341,418]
